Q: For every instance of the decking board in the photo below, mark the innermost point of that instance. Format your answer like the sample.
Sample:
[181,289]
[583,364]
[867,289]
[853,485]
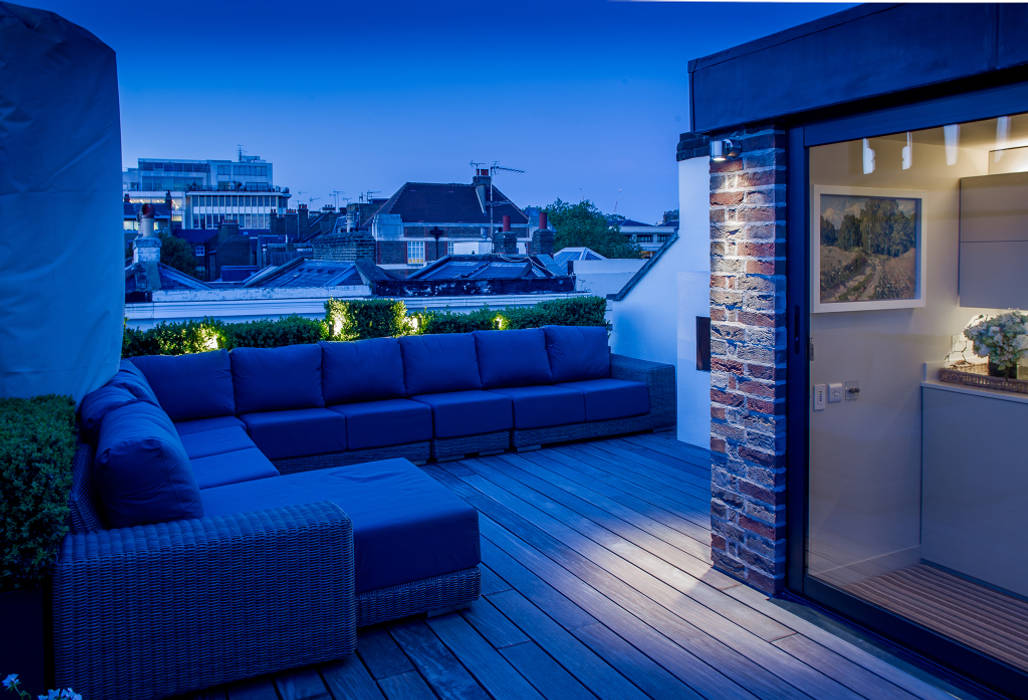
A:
[597,582]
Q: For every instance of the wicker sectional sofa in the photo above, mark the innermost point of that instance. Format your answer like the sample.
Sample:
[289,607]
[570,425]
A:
[238,513]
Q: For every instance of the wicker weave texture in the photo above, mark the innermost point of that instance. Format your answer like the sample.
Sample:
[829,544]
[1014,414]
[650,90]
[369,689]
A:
[168,608]
[458,589]
[413,451]
[659,379]
[455,448]
[82,515]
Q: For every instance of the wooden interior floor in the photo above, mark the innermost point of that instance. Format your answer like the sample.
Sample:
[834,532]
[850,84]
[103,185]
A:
[597,582]
[966,611]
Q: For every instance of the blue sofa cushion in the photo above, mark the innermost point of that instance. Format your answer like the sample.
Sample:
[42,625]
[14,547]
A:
[460,413]
[389,422]
[142,473]
[406,526]
[232,467]
[435,363]
[364,370]
[612,398]
[200,425]
[130,378]
[577,352]
[544,406]
[215,442]
[97,404]
[276,379]
[191,386]
[297,433]
[512,358]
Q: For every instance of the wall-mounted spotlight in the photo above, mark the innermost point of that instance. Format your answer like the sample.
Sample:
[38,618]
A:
[723,149]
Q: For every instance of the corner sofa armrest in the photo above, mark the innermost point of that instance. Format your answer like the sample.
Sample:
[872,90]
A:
[659,379]
[172,607]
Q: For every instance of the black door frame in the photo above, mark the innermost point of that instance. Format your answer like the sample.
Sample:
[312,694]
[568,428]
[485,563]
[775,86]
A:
[947,109]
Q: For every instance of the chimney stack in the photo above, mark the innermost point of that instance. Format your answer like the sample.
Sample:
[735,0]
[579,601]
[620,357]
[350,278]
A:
[146,248]
[542,238]
[508,238]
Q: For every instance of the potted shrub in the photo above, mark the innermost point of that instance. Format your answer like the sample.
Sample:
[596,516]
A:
[37,446]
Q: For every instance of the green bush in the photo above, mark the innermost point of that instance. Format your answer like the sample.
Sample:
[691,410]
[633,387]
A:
[37,447]
[452,322]
[292,330]
[356,319]
[573,311]
[211,334]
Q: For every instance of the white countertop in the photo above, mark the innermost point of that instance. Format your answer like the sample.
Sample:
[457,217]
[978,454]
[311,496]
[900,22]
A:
[931,381]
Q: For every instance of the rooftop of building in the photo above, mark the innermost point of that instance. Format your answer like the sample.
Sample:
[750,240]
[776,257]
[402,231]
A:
[452,202]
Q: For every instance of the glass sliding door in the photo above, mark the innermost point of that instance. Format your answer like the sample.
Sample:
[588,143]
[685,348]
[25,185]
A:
[918,470]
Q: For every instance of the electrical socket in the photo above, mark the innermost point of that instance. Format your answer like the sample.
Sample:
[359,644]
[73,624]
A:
[820,396]
[835,392]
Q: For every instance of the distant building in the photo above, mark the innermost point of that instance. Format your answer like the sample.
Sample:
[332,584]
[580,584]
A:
[462,275]
[161,212]
[649,237]
[204,193]
[425,221]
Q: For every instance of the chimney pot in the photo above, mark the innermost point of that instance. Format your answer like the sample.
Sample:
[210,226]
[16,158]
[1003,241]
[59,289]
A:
[506,222]
[543,223]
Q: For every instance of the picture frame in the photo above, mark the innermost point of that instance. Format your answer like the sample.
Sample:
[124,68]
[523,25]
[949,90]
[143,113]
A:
[868,249]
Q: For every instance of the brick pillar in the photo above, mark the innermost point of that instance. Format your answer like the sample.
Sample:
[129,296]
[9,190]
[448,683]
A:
[748,353]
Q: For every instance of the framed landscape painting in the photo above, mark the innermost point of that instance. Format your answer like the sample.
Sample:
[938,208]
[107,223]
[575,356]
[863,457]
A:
[868,249]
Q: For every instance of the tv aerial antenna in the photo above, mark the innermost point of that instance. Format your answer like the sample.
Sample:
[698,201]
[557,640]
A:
[493,169]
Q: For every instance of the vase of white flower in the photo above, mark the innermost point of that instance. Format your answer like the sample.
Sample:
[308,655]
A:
[1003,339]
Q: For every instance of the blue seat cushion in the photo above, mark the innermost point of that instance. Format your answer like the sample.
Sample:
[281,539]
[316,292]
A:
[443,362]
[97,404]
[406,526]
[544,406]
[297,433]
[389,422]
[460,413]
[277,379]
[612,398]
[191,386]
[232,467]
[577,352]
[129,377]
[512,358]
[216,442]
[142,474]
[363,370]
[198,426]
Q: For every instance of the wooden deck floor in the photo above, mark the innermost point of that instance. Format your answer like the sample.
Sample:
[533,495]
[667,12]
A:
[597,583]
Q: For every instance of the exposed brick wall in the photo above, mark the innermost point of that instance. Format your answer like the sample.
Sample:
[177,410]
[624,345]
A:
[692,145]
[748,350]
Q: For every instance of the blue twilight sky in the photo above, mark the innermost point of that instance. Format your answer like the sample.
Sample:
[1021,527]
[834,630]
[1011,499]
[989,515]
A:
[587,96]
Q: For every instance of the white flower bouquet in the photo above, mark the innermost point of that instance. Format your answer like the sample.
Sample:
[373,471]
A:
[1002,338]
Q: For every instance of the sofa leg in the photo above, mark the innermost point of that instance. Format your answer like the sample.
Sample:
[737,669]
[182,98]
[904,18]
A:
[527,448]
[490,453]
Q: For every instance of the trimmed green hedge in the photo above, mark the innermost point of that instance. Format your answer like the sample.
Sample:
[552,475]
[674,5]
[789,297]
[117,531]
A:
[211,334]
[37,447]
[356,319]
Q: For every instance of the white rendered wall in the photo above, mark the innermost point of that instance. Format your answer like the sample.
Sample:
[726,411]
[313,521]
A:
[657,318]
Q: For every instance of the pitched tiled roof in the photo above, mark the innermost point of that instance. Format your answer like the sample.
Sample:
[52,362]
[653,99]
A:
[433,202]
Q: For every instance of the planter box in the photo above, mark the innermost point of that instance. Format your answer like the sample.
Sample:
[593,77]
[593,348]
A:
[25,643]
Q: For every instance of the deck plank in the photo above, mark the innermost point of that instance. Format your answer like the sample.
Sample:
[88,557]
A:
[436,664]
[481,659]
[350,679]
[597,582]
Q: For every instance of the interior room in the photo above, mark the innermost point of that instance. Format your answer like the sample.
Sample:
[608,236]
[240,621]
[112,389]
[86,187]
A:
[917,468]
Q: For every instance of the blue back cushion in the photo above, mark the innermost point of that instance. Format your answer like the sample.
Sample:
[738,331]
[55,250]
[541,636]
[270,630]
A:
[97,404]
[512,358]
[191,386]
[577,352]
[131,379]
[365,370]
[438,363]
[276,379]
[142,474]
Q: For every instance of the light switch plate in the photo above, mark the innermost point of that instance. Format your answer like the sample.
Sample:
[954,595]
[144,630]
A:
[852,390]
[820,396]
[835,392]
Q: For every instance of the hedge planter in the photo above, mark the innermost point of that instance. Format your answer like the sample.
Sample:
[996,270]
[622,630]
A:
[25,646]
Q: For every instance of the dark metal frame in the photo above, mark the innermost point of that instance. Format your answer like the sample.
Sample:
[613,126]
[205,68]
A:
[937,111]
